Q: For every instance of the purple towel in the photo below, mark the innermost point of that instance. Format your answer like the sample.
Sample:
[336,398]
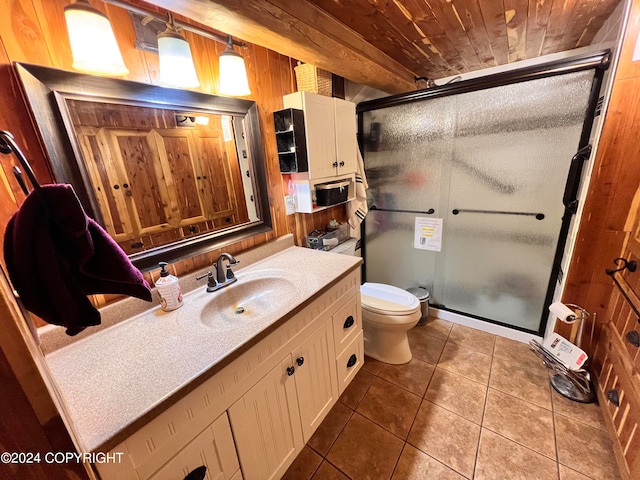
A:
[56,256]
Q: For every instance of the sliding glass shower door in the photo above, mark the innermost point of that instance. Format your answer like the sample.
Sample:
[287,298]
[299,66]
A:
[492,165]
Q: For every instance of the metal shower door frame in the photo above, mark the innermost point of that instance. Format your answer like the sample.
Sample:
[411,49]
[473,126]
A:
[598,61]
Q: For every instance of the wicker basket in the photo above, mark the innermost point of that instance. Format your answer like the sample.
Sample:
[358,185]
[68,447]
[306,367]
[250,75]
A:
[312,79]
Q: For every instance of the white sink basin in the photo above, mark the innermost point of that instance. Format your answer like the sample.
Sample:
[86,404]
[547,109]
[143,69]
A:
[253,297]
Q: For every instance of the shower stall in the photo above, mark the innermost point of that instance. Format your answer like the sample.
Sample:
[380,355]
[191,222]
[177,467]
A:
[472,187]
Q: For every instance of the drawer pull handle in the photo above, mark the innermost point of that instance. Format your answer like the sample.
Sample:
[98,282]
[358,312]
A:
[290,371]
[349,322]
[352,361]
[197,473]
[300,361]
[633,337]
[613,397]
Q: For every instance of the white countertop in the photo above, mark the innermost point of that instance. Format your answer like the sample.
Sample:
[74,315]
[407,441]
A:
[112,378]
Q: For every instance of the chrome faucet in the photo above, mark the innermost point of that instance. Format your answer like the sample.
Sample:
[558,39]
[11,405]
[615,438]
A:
[221,278]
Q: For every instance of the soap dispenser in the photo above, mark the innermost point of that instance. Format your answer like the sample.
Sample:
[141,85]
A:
[168,289]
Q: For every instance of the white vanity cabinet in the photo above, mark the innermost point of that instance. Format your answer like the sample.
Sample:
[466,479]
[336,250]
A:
[213,448]
[273,420]
[330,127]
[251,419]
[266,425]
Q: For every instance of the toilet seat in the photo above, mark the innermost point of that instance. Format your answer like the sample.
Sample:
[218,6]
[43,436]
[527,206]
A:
[388,300]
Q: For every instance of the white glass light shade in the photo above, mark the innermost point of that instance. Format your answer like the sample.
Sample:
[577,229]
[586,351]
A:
[93,44]
[176,62]
[233,74]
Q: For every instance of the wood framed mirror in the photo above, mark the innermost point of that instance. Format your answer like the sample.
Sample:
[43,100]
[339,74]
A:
[168,173]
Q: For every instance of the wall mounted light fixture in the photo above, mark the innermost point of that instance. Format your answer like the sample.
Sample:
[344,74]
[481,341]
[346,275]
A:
[93,44]
[233,73]
[176,62]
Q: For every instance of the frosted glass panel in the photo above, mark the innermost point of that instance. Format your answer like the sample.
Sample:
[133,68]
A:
[390,256]
[408,151]
[513,148]
[505,149]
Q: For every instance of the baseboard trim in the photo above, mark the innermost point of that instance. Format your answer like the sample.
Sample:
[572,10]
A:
[499,330]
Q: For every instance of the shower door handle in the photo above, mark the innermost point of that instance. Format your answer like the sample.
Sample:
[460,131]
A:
[539,216]
[569,199]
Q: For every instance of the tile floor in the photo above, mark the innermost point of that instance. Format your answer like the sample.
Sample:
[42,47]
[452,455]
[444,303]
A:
[468,405]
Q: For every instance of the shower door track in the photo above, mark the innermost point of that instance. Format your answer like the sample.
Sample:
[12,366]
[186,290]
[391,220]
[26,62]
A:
[599,61]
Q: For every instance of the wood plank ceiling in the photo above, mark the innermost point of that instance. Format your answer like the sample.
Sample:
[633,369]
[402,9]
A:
[439,38]
[386,43]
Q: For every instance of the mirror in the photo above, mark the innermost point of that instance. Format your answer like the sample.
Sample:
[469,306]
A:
[168,173]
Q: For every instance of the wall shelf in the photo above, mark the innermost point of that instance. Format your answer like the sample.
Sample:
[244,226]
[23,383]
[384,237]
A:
[291,140]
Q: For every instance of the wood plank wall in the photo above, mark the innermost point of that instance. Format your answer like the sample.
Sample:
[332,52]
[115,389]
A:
[33,31]
[614,181]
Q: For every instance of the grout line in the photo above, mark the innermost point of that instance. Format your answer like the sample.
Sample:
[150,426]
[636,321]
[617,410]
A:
[399,457]
[521,445]
[484,411]
[313,474]
[522,399]
[555,438]
[337,468]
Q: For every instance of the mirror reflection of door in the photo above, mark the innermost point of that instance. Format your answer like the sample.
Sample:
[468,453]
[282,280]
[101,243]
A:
[160,175]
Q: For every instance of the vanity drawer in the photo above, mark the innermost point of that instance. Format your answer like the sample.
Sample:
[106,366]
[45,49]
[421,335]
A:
[619,401]
[347,322]
[350,361]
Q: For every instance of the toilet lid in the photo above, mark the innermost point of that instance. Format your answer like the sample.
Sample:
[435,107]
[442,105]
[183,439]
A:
[387,299]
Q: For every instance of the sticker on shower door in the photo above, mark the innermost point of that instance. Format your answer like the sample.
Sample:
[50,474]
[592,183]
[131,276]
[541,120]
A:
[428,234]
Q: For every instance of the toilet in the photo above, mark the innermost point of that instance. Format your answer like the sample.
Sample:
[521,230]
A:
[388,313]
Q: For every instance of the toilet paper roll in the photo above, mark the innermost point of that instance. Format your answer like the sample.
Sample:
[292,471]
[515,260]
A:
[563,312]
[330,242]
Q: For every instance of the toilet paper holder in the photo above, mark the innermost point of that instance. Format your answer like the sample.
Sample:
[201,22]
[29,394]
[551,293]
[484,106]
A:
[577,324]
[572,384]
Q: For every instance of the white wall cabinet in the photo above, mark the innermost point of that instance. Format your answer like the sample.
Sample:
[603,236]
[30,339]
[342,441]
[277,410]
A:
[330,128]
[272,397]
[331,143]
[346,131]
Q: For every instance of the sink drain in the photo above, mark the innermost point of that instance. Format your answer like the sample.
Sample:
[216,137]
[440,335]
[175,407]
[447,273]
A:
[239,310]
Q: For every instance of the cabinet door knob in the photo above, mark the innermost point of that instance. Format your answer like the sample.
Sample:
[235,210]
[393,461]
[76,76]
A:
[290,371]
[335,164]
[349,322]
[633,337]
[613,397]
[197,473]
[342,163]
[352,361]
[300,361]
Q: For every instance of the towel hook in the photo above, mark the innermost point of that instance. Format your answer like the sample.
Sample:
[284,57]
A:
[8,145]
